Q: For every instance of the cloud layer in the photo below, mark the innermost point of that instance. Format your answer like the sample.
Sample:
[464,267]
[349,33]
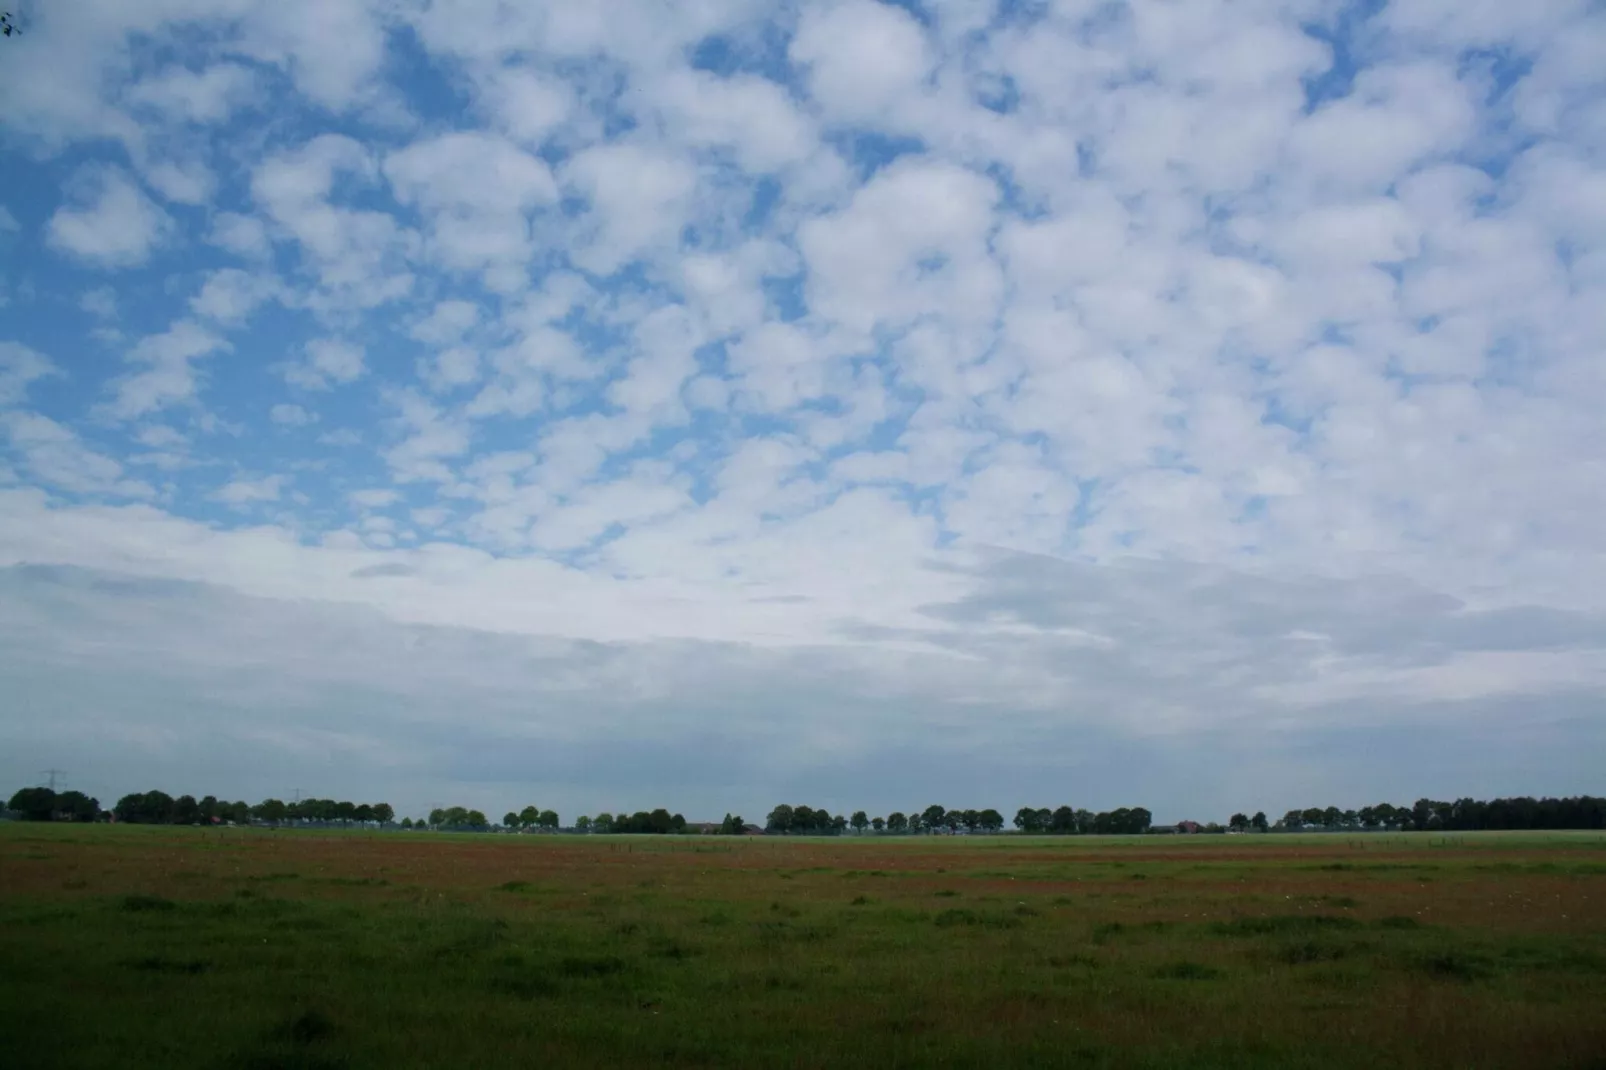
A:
[1121,402]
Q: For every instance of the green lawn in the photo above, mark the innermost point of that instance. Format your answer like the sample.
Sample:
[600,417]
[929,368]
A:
[145,947]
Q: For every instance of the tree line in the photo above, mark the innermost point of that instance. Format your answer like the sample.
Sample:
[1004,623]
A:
[1462,815]
[1064,821]
[159,808]
[806,821]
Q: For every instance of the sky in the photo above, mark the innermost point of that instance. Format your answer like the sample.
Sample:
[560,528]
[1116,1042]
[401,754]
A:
[1195,405]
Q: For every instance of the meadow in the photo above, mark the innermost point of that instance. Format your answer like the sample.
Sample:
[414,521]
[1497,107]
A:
[250,949]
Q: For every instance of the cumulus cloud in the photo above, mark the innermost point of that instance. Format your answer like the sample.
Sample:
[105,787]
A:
[166,374]
[56,457]
[327,363]
[109,222]
[20,367]
[244,492]
[286,415]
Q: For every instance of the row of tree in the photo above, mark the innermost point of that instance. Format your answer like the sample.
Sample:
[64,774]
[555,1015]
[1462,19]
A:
[531,818]
[1065,821]
[159,808]
[1463,815]
[43,804]
[658,822]
[806,821]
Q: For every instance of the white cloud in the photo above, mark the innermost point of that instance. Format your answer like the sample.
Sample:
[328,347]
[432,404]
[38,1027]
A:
[184,182]
[357,255]
[245,492]
[328,362]
[430,440]
[100,303]
[230,295]
[913,242]
[57,457]
[19,368]
[291,415]
[333,49]
[206,96]
[110,224]
[476,192]
[167,376]
[750,116]
[864,59]
[374,499]
[449,321]
[240,234]
[639,200]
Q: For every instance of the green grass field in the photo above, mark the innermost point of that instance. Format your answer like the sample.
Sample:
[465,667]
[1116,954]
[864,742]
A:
[155,947]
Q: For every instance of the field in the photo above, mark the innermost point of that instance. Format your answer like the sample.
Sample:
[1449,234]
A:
[249,948]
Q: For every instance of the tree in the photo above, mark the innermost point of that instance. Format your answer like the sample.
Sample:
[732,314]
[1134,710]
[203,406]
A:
[878,823]
[1062,821]
[991,820]
[733,825]
[932,817]
[272,811]
[34,804]
[364,814]
[384,813]
[437,817]
[510,820]
[76,806]
[582,823]
[838,823]
[548,819]
[780,819]
[186,811]
[530,816]
[896,822]
[1258,822]
[475,819]
[1238,822]
[1026,820]
[603,822]
[860,821]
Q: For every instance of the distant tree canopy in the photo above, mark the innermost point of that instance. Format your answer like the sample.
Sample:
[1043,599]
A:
[659,822]
[1463,815]
[159,808]
[807,821]
[43,804]
[1065,821]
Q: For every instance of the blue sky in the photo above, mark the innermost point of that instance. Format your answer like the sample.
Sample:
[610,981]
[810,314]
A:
[1112,403]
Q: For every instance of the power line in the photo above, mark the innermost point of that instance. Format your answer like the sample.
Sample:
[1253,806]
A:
[53,774]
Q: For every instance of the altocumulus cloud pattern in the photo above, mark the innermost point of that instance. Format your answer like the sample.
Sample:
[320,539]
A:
[1187,404]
